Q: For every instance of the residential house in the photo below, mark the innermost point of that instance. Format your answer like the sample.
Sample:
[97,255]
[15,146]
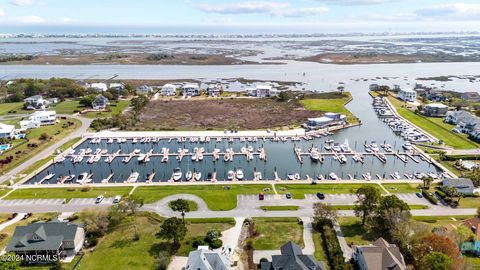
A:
[328,119]
[117,86]
[35,103]
[7,131]
[379,256]
[144,90]
[408,95]
[214,90]
[39,118]
[465,122]
[190,90]
[470,96]
[204,259]
[168,90]
[435,95]
[435,110]
[100,103]
[292,257]
[262,91]
[99,87]
[54,238]
[462,185]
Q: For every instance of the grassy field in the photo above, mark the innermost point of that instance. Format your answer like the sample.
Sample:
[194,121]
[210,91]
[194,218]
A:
[116,107]
[353,231]
[401,188]
[473,261]
[275,232]
[331,105]
[434,127]
[191,204]
[319,254]
[118,250]
[351,207]
[22,152]
[68,107]
[279,207]
[217,197]
[469,202]
[15,106]
[64,193]
[298,191]
[199,230]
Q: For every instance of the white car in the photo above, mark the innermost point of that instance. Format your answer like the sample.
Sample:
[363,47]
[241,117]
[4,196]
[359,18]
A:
[99,199]
[117,199]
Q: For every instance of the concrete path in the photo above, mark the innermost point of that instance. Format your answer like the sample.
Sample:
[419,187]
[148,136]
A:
[307,236]
[347,251]
[16,219]
[85,124]
[231,236]
[177,263]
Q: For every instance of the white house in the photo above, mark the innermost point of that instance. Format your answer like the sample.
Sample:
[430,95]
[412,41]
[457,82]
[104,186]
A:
[100,87]
[117,86]
[44,117]
[214,90]
[144,90]
[191,89]
[168,90]
[408,95]
[6,131]
[29,124]
[262,91]
[35,103]
[329,119]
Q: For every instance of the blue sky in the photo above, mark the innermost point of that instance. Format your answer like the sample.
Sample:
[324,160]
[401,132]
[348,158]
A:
[210,16]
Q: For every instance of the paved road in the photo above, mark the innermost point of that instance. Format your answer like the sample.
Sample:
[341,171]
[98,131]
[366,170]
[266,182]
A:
[85,123]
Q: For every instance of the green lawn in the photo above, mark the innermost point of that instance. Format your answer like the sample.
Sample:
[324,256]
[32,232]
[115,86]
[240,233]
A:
[116,107]
[331,105]
[279,208]
[401,188]
[199,230]
[68,107]
[435,127]
[118,250]
[319,254]
[217,197]
[16,106]
[353,231]
[469,202]
[275,232]
[473,261]
[3,191]
[21,152]
[298,191]
[191,204]
[441,220]
[67,193]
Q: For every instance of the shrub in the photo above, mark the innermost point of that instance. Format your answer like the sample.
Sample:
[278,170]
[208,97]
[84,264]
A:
[429,196]
[198,241]
[441,194]
[215,243]
[333,249]
[85,189]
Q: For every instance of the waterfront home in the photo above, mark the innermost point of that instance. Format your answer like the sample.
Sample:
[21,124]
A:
[435,110]
[39,118]
[407,95]
[190,90]
[470,96]
[99,87]
[328,119]
[292,257]
[204,259]
[380,255]
[144,90]
[465,122]
[214,90]
[100,103]
[7,131]
[262,91]
[35,103]
[462,185]
[117,86]
[168,90]
[435,95]
[54,238]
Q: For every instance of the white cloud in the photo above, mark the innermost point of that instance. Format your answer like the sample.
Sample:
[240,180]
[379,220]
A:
[2,13]
[30,19]
[460,11]
[357,2]
[26,2]
[280,9]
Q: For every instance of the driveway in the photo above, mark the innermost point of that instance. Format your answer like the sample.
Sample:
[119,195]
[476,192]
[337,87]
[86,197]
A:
[85,124]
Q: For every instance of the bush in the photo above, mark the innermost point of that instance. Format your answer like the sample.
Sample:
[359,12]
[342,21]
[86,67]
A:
[162,261]
[333,249]
[198,241]
[429,196]
[441,194]
[44,136]
[215,243]
[85,189]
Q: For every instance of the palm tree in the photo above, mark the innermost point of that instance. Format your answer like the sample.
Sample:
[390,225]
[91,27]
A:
[427,181]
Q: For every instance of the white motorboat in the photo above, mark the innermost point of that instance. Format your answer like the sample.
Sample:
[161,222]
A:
[367,176]
[333,176]
[197,176]
[141,157]
[189,175]
[258,175]
[315,156]
[407,146]
[230,175]
[81,178]
[291,176]
[395,175]
[297,176]
[342,158]
[134,140]
[133,177]
[239,174]
[374,147]
[177,174]
[69,178]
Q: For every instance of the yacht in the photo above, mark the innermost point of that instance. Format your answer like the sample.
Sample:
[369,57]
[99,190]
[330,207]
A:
[239,174]
[315,156]
[291,176]
[333,176]
[230,175]
[81,178]
[297,176]
[135,140]
[258,175]
[407,146]
[342,158]
[133,177]
[177,174]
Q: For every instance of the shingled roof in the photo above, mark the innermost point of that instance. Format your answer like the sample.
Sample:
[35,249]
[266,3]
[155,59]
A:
[292,258]
[382,256]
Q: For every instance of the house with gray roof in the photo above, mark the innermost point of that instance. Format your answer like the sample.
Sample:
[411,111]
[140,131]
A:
[379,256]
[292,258]
[55,238]
[204,259]
[100,103]
[462,185]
